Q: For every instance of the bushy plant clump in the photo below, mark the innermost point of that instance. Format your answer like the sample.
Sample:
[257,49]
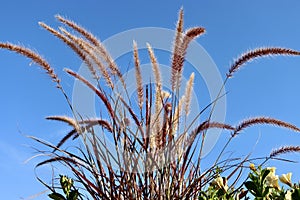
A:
[155,159]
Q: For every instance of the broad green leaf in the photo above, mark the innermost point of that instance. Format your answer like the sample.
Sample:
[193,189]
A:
[56,196]
[251,187]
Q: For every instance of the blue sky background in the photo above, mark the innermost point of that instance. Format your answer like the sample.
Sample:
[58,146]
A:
[268,87]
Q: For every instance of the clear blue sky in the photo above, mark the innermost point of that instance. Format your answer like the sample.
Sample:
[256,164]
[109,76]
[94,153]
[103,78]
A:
[268,87]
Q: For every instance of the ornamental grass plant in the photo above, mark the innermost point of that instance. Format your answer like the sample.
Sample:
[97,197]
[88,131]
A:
[155,153]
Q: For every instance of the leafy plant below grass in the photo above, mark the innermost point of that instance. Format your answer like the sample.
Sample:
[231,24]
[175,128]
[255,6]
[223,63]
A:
[68,189]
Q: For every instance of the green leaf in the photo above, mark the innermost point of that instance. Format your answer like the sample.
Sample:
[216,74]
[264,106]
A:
[221,192]
[56,196]
[252,177]
[201,198]
[74,194]
[296,194]
[265,173]
[251,187]
[266,191]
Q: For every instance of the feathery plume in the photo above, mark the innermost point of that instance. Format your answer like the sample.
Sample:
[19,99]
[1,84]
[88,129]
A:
[79,29]
[207,125]
[94,122]
[34,57]
[177,51]
[101,49]
[257,53]
[88,49]
[153,139]
[156,120]
[264,120]
[284,150]
[138,75]
[75,124]
[188,94]
[158,89]
[73,46]
[154,66]
[67,120]
[190,35]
